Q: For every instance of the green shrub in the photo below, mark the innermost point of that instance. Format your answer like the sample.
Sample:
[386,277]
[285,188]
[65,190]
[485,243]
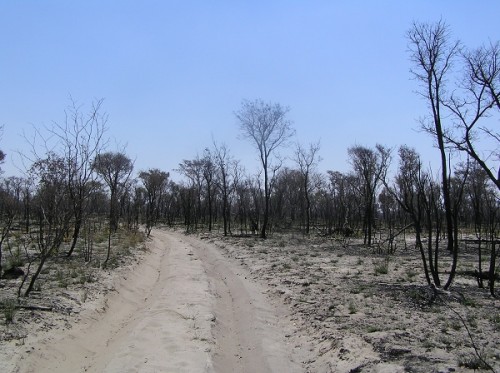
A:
[411,274]
[472,362]
[37,286]
[74,273]
[373,329]
[16,260]
[352,308]
[382,267]
[495,320]
[62,280]
[358,289]
[9,310]
[469,302]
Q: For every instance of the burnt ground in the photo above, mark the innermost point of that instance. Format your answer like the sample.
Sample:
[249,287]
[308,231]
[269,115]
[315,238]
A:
[362,310]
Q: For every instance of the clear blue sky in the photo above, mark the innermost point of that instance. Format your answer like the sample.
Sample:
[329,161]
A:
[172,73]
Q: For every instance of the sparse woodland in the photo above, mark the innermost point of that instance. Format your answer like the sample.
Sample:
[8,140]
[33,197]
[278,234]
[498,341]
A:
[79,208]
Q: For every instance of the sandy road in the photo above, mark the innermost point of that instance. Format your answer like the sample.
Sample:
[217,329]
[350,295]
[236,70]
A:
[247,332]
[185,308]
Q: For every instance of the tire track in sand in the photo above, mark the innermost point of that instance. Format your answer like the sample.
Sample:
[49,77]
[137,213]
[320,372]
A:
[247,332]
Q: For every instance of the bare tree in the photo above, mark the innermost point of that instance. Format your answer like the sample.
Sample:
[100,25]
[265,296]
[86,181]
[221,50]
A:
[267,127]
[114,169]
[342,197]
[307,160]
[187,197]
[478,190]
[242,196]
[193,170]
[224,163]
[410,192]
[52,209]
[371,167]
[420,198]
[287,200]
[209,174]
[81,139]
[432,55]
[155,182]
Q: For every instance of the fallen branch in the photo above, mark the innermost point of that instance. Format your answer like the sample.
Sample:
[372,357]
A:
[35,308]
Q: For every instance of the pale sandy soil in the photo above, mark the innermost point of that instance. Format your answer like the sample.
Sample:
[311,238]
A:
[204,303]
[182,308]
[356,319]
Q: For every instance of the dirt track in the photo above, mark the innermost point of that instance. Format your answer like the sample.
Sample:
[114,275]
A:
[185,308]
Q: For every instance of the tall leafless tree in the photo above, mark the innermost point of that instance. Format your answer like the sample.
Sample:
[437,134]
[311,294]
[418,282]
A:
[224,164]
[267,127]
[432,53]
[307,160]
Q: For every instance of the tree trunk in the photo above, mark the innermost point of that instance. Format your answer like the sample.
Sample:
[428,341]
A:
[491,277]
[209,209]
[480,265]
[225,211]
[369,222]
[263,233]
[109,247]
[76,234]
[27,213]
[308,205]
[455,252]
[420,246]
[433,265]
[35,275]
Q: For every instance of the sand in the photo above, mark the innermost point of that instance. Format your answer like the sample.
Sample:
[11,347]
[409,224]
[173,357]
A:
[184,308]
[205,303]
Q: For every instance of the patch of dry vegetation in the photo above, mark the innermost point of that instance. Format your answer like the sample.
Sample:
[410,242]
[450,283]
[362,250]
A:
[64,288]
